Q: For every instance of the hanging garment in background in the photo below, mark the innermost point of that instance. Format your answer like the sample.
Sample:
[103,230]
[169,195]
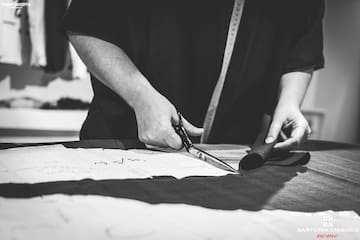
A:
[10,33]
[79,70]
[36,13]
[56,44]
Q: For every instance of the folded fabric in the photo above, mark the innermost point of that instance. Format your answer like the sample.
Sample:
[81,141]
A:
[262,153]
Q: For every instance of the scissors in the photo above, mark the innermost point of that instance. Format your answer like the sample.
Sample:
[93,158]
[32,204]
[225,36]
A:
[197,152]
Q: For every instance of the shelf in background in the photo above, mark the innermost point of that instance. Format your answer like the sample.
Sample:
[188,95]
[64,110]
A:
[37,125]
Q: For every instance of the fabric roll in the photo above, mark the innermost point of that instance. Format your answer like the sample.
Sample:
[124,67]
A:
[256,157]
[262,153]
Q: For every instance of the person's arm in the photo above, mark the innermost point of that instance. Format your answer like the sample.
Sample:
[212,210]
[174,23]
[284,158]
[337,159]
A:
[304,53]
[154,113]
[287,113]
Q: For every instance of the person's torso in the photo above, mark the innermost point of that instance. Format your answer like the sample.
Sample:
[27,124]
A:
[179,46]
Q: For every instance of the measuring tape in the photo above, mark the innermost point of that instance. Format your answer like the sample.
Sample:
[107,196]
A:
[229,47]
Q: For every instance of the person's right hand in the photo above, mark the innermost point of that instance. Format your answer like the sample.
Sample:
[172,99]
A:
[155,117]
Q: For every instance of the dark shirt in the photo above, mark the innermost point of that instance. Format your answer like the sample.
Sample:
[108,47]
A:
[178,45]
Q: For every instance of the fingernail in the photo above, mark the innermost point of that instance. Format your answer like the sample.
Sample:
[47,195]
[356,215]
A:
[269,140]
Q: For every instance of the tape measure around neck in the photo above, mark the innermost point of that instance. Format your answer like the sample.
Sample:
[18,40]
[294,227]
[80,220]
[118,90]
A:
[229,47]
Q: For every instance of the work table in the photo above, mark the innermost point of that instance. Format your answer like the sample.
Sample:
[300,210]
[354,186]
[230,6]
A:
[329,181]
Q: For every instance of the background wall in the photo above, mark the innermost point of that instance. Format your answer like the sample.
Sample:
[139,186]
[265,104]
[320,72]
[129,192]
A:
[336,88]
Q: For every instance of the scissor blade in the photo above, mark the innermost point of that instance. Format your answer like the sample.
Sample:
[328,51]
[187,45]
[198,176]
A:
[198,153]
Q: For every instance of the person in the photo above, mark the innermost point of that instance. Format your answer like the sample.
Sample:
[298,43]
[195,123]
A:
[150,59]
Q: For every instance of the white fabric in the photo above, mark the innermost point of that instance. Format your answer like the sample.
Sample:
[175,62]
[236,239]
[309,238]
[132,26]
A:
[10,35]
[57,163]
[79,70]
[36,12]
[98,217]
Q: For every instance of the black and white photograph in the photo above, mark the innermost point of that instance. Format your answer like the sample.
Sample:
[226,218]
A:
[179,119]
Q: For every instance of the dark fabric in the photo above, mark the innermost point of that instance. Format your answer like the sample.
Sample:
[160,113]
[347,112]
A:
[178,45]
[262,152]
[56,43]
[96,143]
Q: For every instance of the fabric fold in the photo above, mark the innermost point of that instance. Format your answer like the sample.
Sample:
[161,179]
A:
[262,153]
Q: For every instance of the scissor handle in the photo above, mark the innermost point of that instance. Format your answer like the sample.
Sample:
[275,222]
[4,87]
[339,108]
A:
[180,130]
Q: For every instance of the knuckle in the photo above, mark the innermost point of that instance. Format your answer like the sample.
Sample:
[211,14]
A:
[142,137]
[150,137]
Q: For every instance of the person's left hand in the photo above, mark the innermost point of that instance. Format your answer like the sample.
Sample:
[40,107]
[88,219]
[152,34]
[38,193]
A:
[288,116]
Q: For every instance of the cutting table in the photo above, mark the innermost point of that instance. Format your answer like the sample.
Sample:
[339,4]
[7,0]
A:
[329,181]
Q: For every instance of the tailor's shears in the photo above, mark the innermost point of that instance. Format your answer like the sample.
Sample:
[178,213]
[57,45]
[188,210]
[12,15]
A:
[197,152]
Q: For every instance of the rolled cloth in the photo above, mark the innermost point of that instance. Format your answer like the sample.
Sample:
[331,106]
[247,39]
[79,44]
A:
[262,152]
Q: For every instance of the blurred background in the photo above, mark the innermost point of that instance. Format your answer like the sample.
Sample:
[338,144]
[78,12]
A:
[45,88]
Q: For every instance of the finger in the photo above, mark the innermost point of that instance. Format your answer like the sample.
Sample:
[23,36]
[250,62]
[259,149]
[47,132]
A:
[274,129]
[173,140]
[309,131]
[283,136]
[298,135]
[191,129]
[288,144]
[175,118]
[157,143]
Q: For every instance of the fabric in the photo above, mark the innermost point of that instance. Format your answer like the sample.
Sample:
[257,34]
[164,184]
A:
[10,34]
[330,181]
[262,153]
[59,217]
[79,70]
[56,43]
[179,45]
[36,13]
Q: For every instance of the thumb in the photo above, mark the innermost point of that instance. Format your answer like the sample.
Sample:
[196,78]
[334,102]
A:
[274,129]
[191,129]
